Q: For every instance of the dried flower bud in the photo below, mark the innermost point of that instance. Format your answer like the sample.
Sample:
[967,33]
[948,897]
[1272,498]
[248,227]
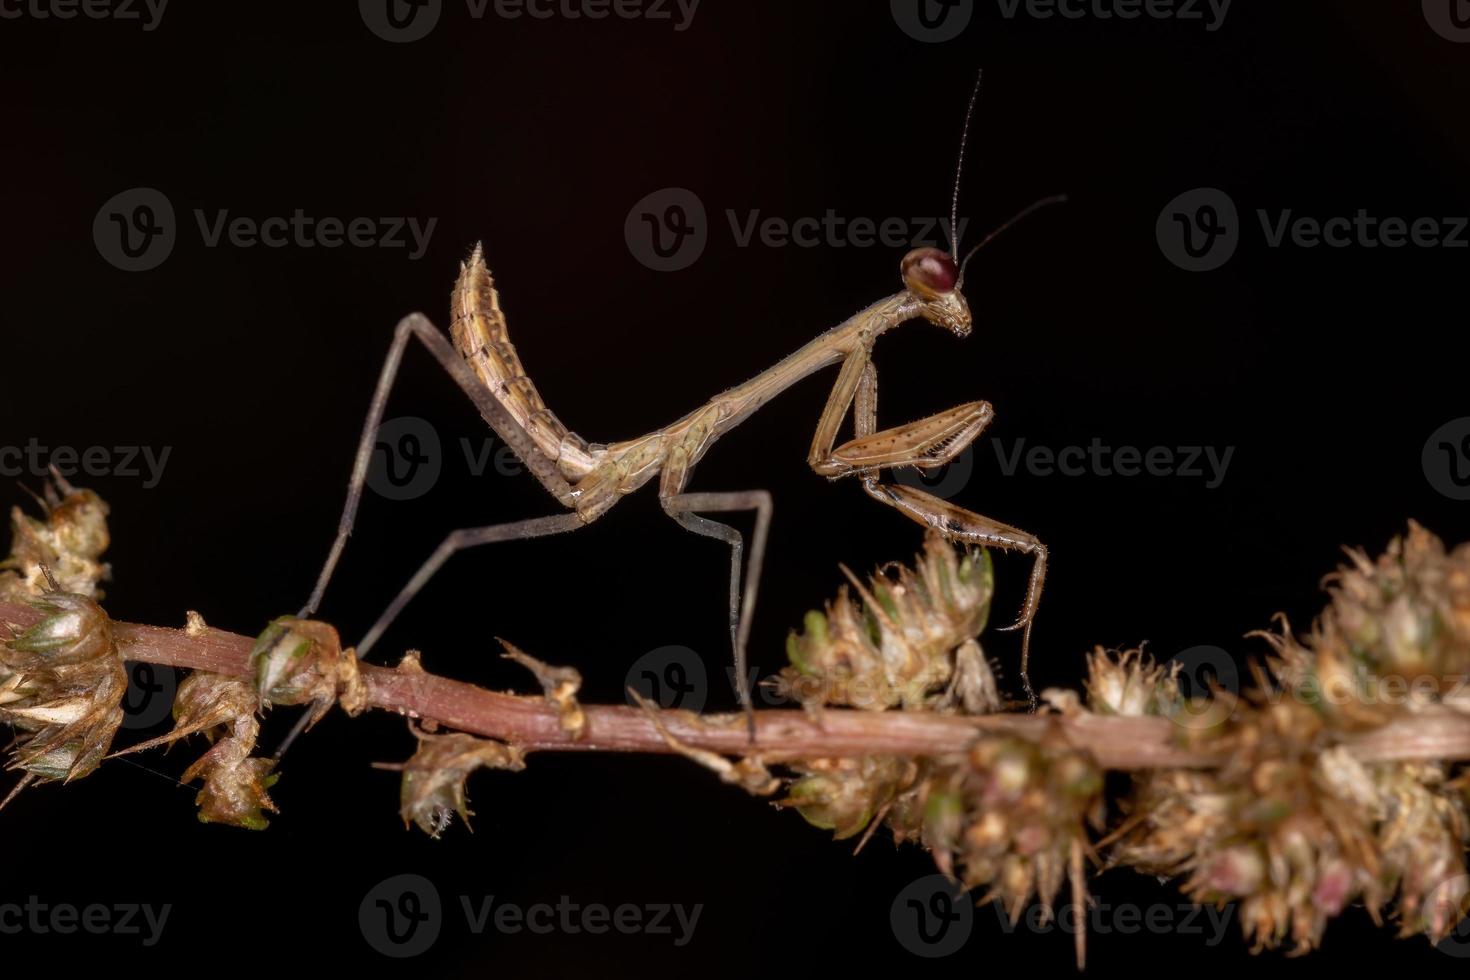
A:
[235,784]
[434,779]
[301,661]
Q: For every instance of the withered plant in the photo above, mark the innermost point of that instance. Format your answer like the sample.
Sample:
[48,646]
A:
[1337,779]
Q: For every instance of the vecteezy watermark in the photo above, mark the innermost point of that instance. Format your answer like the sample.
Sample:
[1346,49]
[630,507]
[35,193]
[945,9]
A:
[1450,19]
[932,917]
[403,916]
[934,21]
[671,677]
[1200,229]
[408,458]
[402,21]
[1209,683]
[1207,463]
[1446,459]
[36,460]
[39,918]
[668,230]
[1448,898]
[1101,918]
[136,230]
[1211,13]
[148,12]
[149,699]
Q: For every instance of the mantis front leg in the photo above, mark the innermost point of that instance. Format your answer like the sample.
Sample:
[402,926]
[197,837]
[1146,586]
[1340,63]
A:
[927,443]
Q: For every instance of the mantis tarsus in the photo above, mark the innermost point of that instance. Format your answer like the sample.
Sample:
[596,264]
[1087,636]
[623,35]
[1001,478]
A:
[589,478]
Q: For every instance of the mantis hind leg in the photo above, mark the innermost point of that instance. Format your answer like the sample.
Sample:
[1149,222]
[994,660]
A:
[418,326]
[456,541]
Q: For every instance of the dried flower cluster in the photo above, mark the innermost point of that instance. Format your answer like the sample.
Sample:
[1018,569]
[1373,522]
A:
[909,642]
[1281,817]
[1293,827]
[61,681]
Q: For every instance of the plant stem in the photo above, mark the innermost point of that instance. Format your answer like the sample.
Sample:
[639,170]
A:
[534,724]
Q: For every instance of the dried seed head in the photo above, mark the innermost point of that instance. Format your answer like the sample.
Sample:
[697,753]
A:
[844,795]
[62,683]
[897,646]
[69,541]
[434,779]
[1129,683]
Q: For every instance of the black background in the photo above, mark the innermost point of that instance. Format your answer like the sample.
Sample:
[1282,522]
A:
[1326,369]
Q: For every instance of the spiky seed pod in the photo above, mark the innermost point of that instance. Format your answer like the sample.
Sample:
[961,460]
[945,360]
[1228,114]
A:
[301,661]
[845,795]
[64,684]
[68,541]
[897,644]
[433,788]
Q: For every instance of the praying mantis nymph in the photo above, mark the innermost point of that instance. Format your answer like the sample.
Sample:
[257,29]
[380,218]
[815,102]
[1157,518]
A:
[589,478]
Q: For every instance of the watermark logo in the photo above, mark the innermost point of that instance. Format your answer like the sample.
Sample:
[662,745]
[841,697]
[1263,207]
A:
[932,21]
[404,21]
[932,917]
[400,21]
[667,230]
[1450,19]
[1448,899]
[407,459]
[127,462]
[1098,918]
[1098,459]
[147,12]
[401,916]
[941,481]
[1209,680]
[38,918]
[1446,459]
[670,677]
[149,699]
[135,230]
[1199,230]
[1209,12]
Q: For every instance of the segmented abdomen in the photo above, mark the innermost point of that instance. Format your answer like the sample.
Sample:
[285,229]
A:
[478,329]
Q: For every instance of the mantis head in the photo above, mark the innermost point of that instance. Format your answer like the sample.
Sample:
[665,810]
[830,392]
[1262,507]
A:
[934,280]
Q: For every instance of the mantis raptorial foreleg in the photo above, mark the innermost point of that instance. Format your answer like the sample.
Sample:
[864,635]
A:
[925,444]
[416,325]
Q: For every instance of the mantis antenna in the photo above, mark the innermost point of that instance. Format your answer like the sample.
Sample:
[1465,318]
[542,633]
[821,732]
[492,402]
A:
[959,169]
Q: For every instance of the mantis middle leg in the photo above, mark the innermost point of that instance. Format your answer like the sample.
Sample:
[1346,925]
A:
[683,508]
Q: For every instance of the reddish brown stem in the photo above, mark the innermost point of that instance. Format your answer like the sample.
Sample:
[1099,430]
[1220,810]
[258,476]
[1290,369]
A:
[531,722]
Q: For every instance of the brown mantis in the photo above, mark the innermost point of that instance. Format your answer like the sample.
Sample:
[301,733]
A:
[589,478]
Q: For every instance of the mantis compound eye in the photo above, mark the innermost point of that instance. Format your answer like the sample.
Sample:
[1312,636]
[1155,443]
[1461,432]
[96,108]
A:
[929,272]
